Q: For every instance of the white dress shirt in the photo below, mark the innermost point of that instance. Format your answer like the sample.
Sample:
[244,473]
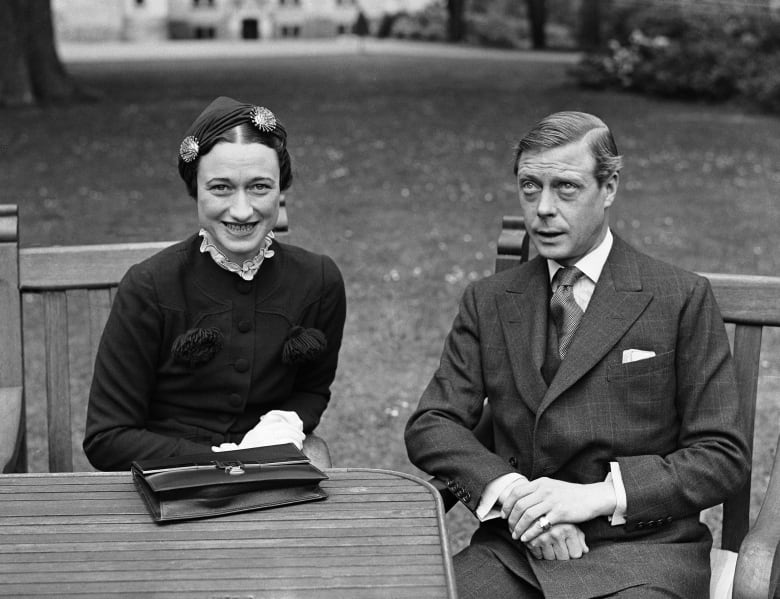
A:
[591,266]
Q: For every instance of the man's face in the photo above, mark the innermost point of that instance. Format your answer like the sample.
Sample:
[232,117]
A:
[564,207]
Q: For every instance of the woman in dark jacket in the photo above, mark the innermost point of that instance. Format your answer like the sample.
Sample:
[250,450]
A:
[228,339]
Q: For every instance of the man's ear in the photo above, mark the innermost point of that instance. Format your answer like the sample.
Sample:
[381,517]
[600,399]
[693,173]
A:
[610,189]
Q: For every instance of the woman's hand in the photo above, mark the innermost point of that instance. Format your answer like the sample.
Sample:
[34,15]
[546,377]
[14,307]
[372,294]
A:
[561,542]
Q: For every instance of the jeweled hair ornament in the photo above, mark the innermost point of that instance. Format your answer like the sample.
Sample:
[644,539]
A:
[188,150]
[263,119]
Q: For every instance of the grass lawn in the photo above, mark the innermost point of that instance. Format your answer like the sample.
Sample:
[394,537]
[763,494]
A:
[402,172]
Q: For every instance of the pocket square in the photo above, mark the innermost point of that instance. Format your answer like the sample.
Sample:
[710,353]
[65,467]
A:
[634,355]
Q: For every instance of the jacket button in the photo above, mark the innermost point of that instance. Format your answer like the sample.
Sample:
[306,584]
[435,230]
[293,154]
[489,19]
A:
[234,399]
[668,518]
[242,365]
[467,496]
[640,525]
[513,462]
[244,326]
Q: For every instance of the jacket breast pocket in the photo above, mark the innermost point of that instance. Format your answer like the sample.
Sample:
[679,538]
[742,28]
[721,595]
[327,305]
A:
[661,362]
[644,390]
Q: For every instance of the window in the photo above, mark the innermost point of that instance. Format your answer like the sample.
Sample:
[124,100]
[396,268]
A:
[205,32]
[290,31]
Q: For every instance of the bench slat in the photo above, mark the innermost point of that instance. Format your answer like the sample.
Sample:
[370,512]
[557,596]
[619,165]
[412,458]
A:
[99,305]
[747,299]
[80,267]
[747,354]
[55,317]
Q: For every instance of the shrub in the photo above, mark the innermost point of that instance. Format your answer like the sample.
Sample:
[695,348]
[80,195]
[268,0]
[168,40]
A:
[678,53]
[764,86]
[497,31]
[429,24]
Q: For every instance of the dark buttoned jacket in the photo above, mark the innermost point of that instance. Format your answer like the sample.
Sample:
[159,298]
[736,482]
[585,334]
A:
[670,421]
[150,400]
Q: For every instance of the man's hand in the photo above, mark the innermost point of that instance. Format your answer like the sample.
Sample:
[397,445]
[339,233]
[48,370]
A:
[561,542]
[522,504]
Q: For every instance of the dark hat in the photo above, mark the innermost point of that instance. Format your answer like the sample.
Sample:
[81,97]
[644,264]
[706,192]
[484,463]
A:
[222,115]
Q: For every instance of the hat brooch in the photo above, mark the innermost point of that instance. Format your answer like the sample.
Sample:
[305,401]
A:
[263,119]
[188,150]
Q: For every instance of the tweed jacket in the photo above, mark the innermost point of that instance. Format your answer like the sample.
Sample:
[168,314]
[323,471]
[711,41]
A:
[151,399]
[671,421]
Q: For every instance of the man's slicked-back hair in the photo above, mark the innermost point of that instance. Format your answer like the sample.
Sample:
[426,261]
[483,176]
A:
[562,128]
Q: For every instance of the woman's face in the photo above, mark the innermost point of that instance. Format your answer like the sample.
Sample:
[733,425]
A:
[238,196]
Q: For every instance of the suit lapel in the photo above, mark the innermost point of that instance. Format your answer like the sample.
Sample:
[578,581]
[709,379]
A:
[617,302]
[523,313]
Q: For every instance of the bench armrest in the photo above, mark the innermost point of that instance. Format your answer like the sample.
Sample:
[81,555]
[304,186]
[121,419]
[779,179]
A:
[758,565]
[10,421]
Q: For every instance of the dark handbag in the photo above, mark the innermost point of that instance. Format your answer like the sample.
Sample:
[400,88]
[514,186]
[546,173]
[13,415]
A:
[213,484]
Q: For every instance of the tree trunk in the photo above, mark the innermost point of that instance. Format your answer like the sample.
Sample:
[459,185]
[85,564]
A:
[456,24]
[590,24]
[15,84]
[30,69]
[537,18]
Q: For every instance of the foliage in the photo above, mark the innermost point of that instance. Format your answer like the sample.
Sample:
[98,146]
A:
[361,27]
[429,24]
[385,28]
[680,53]
[491,23]
[497,30]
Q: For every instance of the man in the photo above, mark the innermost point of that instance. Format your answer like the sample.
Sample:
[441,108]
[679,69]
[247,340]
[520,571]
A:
[614,404]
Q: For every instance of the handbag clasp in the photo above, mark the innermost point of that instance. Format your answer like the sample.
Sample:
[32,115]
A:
[232,467]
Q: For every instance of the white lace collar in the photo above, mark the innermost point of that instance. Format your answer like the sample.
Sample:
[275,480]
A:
[249,268]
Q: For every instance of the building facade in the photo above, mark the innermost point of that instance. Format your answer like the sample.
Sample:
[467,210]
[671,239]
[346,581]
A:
[138,20]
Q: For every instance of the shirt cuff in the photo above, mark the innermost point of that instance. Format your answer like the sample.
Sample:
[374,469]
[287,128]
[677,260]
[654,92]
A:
[621,504]
[488,507]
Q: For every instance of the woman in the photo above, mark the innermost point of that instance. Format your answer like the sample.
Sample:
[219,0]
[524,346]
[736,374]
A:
[229,338]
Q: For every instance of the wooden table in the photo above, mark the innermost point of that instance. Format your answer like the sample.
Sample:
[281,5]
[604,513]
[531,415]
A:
[378,534]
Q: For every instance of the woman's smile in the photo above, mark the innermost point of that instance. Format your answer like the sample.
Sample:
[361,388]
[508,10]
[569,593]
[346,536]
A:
[240,229]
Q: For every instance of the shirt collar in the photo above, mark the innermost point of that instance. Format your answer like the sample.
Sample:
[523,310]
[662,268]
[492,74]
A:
[592,263]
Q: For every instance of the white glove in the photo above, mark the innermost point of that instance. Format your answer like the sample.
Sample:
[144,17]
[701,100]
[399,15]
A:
[275,428]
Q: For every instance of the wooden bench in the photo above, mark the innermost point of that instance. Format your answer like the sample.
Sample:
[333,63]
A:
[748,303]
[56,300]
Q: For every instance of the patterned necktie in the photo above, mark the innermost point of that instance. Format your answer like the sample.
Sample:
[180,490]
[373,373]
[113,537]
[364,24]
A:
[565,311]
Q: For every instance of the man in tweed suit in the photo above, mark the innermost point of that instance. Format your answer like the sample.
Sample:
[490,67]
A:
[614,403]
